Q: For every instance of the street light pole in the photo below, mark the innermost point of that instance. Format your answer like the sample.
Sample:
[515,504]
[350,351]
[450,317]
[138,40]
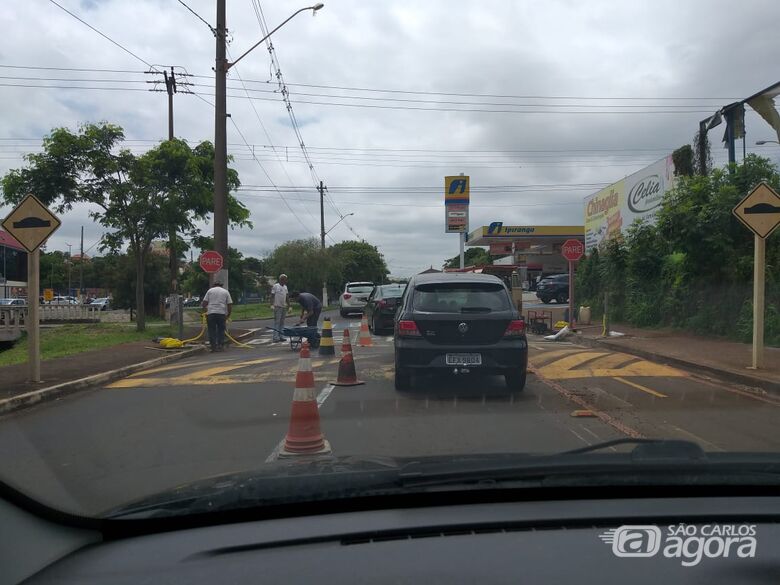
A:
[220,132]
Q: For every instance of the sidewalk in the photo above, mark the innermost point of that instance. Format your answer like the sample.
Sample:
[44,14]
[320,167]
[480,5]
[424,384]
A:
[725,359]
[68,374]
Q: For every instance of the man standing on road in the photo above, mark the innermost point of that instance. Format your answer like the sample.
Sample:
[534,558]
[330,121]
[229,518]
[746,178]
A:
[279,304]
[311,307]
[218,305]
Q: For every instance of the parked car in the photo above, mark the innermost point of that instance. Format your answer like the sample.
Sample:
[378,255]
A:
[354,297]
[103,303]
[13,303]
[192,302]
[64,300]
[460,323]
[381,306]
[553,287]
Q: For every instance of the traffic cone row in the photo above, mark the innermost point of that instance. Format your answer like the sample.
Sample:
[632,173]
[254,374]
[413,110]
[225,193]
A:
[326,343]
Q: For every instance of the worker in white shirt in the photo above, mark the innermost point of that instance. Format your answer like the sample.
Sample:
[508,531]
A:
[218,304]
[279,304]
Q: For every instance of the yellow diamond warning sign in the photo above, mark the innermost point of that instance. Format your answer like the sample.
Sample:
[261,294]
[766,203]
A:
[31,223]
[760,210]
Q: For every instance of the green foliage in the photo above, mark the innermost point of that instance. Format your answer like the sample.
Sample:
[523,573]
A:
[137,199]
[693,269]
[352,261]
[683,161]
[475,256]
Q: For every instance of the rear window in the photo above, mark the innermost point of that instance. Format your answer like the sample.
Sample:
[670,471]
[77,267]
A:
[392,292]
[452,297]
[359,288]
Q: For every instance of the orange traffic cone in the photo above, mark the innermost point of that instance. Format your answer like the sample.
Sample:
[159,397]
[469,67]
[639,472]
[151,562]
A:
[365,337]
[347,375]
[346,343]
[304,436]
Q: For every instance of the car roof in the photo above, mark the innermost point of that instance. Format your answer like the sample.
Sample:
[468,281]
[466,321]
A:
[445,277]
[360,283]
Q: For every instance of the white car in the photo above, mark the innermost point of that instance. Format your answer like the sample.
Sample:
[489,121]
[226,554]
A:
[103,304]
[354,297]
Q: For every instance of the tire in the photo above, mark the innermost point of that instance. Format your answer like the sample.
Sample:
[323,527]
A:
[403,378]
[545,300]
[515,379]
[562,298]
[376,330]
[343,313]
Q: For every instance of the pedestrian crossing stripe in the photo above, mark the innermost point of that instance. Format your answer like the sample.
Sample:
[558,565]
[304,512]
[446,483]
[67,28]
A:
[572,364]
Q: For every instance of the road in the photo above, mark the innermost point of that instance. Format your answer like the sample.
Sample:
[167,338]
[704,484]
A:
[226,412]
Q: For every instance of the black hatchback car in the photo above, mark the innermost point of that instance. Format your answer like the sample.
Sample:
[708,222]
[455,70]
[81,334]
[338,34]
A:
[553,287]
[381,307]
[460,323]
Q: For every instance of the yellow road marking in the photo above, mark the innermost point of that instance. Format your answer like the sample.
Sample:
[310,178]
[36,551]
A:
[640,387]
[612,360]
[596,364]
[161,369]
[197,378]
[550,355]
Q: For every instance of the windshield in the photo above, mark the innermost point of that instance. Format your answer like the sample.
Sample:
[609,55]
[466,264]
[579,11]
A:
[399,235]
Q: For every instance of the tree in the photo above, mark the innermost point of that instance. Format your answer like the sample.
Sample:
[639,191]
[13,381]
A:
[306,264]
[472,257]
[130,196]
[185,178]
[352,261]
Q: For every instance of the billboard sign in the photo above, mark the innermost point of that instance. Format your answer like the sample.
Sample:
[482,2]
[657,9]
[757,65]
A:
[613,209]
[456,204]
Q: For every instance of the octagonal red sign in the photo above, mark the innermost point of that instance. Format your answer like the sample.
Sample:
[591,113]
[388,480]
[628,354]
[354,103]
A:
[211,261]
[573,250]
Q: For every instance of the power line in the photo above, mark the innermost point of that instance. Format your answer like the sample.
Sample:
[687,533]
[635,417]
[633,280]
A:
[199,17]
[84,22]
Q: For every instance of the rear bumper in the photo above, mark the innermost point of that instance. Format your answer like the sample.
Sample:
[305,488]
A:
[498,358]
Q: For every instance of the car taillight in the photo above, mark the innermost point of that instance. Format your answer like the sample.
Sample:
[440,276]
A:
[408,328]
[347,296]
[382,303]
[515,328]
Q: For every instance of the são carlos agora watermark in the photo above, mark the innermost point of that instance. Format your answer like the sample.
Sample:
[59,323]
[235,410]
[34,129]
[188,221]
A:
[690,543]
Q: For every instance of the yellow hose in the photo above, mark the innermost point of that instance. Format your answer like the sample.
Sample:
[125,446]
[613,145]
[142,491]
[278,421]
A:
[238,343]
[202,330]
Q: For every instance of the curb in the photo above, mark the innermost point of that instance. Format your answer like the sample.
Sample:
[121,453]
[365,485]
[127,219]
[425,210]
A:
[728,375]
[70,387]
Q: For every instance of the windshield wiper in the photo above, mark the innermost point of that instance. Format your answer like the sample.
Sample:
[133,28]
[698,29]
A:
[648,448]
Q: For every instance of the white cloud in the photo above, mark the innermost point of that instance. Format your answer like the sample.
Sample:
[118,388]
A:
[563,48]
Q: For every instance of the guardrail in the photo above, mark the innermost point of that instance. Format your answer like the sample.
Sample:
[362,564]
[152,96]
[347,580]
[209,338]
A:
[13,319]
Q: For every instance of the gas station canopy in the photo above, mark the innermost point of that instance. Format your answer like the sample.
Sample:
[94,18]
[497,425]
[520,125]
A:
[497,232]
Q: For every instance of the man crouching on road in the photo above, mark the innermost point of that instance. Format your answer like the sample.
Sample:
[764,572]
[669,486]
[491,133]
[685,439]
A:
[311,307]
[218,305]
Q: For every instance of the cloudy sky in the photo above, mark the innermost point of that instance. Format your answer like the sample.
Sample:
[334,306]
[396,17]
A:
[541,103]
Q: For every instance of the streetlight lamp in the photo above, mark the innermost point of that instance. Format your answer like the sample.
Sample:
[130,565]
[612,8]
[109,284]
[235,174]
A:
[762,142]
[220,130]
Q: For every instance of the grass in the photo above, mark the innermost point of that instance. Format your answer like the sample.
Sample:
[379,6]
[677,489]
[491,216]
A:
[261,311]
[76,338]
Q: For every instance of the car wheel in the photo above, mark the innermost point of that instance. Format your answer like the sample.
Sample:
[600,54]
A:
[403,378]
[545,300]
[562,298]
[375,328]
[515,379]
[342,312]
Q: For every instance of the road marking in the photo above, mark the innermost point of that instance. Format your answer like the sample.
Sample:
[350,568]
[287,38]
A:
[640,387]
[200,377]
[321,398]
[568,364]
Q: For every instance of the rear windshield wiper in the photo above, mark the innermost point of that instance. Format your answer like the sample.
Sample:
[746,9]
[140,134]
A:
[475,309]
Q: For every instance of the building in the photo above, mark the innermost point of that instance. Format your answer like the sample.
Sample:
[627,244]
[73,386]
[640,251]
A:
[13,267]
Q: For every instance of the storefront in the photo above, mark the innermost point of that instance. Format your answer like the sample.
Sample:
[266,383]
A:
[13,267]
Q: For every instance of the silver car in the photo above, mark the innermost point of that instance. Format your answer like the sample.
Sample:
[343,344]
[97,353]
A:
[354,297]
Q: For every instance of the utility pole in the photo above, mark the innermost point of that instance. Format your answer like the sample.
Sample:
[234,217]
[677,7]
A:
[70,264]
[81,265]
[170,87]
[220,146]
[322,240]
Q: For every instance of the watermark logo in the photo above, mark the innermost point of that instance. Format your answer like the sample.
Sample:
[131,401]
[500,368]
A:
[690,543]
[633,541]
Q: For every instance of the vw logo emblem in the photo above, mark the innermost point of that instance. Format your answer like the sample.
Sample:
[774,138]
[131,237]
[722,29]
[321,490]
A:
[463,327]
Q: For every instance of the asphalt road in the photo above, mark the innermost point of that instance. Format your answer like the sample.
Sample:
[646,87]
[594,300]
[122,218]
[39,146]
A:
[227,412]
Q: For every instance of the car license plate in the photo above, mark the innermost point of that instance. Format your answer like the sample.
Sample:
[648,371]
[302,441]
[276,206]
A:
[463,359]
